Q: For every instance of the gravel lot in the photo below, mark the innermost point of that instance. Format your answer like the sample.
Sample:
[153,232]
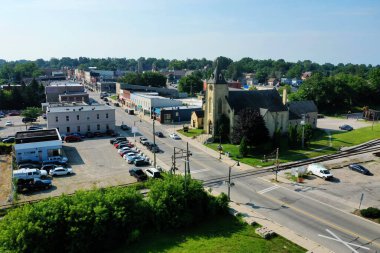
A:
[95,163]
[334,123]
[5,179]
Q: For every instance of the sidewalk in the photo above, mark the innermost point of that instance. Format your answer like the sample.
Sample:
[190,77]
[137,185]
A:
[251,216]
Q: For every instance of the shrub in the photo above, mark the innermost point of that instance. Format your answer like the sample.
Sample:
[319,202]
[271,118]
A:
[371,212]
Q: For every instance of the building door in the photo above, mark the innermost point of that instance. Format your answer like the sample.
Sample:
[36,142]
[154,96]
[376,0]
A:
[68,129]
[194,123]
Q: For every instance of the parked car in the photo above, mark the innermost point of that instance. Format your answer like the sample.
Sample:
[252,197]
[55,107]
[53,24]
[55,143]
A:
[143,140]
[49,167]
[153,173]
[111,133]
[117,144]
[27,174]
[159,134]
[72,138]
[124,127]
[8,123]
[9,140]
[320,171]
[32,128]
[360,168]
[346,127]
[58,159]
[131,157]
[29,166]
[98,134]
[27,120]
[116,104]
[138,174]
[140,162]
[14,114]
[175,136]
[58,171]
[34,184]
[121,138]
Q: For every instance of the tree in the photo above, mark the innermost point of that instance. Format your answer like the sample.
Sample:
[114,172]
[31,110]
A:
[223,126]
[251,125]
[223,62]
[243,148]
[31,112]
[153,79]
[190,84]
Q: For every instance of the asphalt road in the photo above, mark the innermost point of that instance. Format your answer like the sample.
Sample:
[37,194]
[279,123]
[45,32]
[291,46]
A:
[322,223]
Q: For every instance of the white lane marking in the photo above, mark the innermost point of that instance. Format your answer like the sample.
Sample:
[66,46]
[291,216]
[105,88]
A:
[198,171]
[336,238]
[269,189]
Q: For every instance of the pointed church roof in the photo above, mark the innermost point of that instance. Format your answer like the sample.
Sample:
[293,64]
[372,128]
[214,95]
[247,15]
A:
[265,99]
[217,76]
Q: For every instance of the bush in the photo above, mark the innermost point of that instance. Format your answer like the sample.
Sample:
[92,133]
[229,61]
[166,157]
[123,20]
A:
[371,212]
[98,220]
[5,148]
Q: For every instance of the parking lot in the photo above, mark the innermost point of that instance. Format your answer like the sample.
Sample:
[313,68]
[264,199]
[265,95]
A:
[95,163]
[332,123]
[345,190]
[18,125]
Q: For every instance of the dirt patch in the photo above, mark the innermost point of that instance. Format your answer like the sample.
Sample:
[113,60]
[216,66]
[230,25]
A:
[5,179]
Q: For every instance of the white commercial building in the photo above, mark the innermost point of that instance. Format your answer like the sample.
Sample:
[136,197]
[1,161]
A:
[81,118]
[37,145]
[146,102]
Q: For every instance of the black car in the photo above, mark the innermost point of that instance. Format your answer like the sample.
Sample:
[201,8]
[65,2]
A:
[121,138]
[140,162]
[29,166]
[159,134]
[90,135]
[27,120]
[360,168]
[49,167]
[124,127]
[138,174]
[9,140]
[34,184]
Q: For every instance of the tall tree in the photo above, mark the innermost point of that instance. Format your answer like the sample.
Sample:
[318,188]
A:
[190,84]
[251,125]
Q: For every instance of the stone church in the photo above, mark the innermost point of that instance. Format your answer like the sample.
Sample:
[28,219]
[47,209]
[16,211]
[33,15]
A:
[219,99]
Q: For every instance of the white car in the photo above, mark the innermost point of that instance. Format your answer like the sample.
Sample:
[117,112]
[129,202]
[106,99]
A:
[130,154]
[120,150]
[58,171]
[8,123]
[174,136]
[152,172]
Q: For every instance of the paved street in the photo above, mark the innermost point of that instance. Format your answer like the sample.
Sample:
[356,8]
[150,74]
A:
[337,230]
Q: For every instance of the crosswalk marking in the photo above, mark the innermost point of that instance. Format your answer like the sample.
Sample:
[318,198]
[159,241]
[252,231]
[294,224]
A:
[269,189]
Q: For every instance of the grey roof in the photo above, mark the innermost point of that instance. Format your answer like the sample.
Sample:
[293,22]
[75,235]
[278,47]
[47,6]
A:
[37,136]
[267,99]
[79,108]
[301,107]
[217,76]
[200,114]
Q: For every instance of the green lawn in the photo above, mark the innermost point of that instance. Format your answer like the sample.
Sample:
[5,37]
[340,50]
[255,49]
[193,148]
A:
[220,234]
[318,146]
[114,97]
[192,132]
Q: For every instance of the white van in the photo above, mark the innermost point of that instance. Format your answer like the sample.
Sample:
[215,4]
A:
[27,174]
[320,171]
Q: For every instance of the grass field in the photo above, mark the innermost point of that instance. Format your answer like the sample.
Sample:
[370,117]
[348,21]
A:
[191,133]
[320,145]
[220,234]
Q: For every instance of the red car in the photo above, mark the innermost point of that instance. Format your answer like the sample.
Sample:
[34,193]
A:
[72,138]
[116,145]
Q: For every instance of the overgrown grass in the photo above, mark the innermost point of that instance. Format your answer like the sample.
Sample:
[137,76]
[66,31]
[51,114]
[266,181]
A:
[319,145]
[191,133]
[220,234]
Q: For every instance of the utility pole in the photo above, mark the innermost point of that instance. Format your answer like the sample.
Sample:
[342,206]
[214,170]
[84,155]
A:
[277,162]
[173,166]
[229,182]
[188,159]
[154,144]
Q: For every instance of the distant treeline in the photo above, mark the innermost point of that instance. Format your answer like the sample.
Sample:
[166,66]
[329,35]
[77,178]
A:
[263,69]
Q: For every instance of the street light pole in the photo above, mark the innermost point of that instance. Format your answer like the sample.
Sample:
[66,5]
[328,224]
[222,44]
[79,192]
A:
[229,179]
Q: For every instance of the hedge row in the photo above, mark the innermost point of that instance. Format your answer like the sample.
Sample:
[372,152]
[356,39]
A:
[96,220]
[5,148]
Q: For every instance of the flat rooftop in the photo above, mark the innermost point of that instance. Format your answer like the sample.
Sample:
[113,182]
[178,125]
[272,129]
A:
[84,108]
[37,136]
[59,84]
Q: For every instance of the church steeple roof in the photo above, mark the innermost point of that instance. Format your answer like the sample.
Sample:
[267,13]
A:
[217,76]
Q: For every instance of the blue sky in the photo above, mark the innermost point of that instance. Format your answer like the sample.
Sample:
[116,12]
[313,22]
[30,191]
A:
[320,30]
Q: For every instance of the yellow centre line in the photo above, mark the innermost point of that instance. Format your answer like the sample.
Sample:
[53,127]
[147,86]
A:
[322,220]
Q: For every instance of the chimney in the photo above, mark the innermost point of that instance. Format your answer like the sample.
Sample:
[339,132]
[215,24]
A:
[284,96]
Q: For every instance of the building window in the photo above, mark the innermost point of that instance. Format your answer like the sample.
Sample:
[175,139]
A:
[68,129]
[107,127]
[97,116]
[98,127]
[56,118]
[67,118]
[167,116]
[106,115]
[77,117]
[88,128]
[78,129]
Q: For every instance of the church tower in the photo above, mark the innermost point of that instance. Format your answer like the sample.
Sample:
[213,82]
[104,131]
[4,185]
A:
[215,100]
